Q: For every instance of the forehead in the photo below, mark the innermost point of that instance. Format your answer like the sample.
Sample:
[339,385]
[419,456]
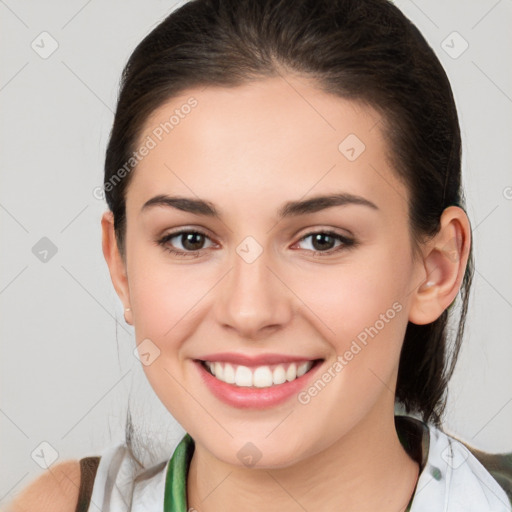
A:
[268,137]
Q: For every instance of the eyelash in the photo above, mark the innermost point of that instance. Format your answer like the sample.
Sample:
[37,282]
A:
[346,243]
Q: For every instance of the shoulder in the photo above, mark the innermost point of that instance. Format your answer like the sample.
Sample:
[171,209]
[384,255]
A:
[56,490]
[459,479]
[454,477]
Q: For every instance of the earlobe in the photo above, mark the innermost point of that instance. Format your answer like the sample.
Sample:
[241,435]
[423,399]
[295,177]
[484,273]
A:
[443,267]
[115,262]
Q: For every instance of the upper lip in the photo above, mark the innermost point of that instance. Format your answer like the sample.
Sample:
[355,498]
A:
[259,360]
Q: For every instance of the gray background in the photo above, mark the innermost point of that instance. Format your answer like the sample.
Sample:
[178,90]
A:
[67,367]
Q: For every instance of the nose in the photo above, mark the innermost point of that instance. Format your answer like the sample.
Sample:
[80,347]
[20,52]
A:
[254,300]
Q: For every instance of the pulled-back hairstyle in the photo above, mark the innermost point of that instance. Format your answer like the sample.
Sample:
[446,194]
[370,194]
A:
[363,50]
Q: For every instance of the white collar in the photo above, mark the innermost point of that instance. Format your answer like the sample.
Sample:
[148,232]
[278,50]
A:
[453,480]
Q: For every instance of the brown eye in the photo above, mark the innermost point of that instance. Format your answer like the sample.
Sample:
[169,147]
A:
[192,241]
[325,242]
[185,242]
[322,241]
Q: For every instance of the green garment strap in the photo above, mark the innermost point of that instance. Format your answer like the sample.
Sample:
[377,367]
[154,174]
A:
[175,497]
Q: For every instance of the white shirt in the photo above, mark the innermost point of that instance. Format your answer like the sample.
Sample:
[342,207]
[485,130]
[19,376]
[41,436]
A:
[452,480]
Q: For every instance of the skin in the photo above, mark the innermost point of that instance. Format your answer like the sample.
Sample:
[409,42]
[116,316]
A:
[248,150]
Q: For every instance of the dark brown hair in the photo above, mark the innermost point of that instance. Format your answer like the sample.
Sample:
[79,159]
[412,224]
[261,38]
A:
[364,50]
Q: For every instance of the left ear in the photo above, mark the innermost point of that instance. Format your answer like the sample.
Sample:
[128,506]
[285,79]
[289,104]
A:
[445,257]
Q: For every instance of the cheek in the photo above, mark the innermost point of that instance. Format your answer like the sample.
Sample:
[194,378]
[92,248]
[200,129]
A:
[165,298]
[363,301]
[360,311]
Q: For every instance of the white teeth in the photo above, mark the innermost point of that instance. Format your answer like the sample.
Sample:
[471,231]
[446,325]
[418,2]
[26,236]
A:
[301,370]
[229,374]
[291,373]
[243,376]
[260,377]
[279,375]
[219,371]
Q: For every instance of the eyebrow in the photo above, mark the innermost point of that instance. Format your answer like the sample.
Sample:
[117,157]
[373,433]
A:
[289,209]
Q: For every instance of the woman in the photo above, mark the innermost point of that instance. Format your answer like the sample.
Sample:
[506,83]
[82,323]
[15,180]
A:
[287,233]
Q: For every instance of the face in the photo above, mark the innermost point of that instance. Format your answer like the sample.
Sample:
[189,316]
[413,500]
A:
[269,280]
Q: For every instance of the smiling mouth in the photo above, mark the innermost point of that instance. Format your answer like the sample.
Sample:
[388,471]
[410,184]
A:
[263,376]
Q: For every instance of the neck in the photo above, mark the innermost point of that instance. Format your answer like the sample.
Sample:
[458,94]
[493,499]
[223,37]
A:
[367,469]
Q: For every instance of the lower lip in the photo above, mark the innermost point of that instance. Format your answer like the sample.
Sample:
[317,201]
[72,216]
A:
[251,397]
